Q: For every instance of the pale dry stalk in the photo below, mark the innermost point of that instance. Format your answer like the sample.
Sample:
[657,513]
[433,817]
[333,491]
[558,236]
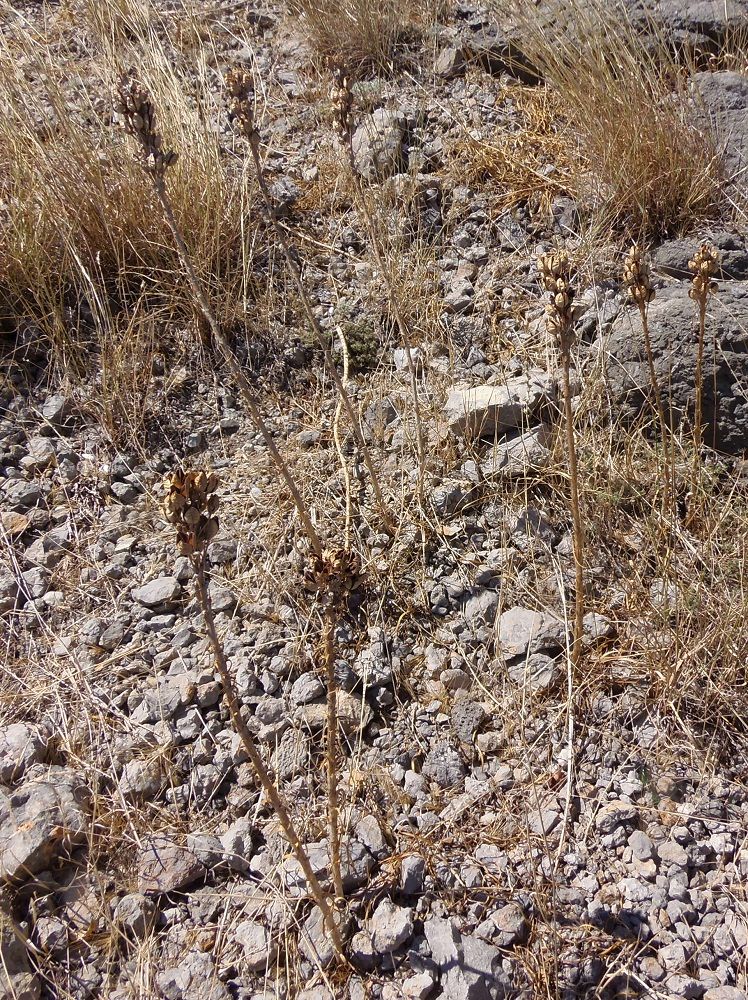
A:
[240,89]
[638,280]
[137,113]
[555,273]
[191,506]
[703,265]
[333,578]
[342,101]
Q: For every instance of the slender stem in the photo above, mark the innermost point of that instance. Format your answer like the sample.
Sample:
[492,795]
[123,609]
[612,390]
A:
[333,809]
[394,302]
[697,430]
[578,526]
[253,140]
[669,472]
[229,692]
[250,400]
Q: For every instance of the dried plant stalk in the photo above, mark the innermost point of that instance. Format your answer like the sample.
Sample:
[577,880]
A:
[138,117]
[703,265]
[555,273]
[191,506]
[240,89]
[638,280]
[333,578]
[342,101]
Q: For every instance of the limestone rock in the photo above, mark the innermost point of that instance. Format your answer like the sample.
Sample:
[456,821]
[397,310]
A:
[40,821]
[486,411]
[163,866]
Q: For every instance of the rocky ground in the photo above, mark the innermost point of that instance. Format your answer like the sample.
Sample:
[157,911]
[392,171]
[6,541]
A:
[511,830]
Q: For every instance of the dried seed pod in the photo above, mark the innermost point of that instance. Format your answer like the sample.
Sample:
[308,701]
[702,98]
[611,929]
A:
[190,504]
[341,98]
[637,276]
[136,110]
[240,89]
[555,273]
[334,575]
[704,265]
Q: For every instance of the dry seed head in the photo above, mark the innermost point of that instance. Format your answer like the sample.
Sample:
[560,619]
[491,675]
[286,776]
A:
[136,111]
[240,89]
[334,575]
[341,97]
[704,265]
[555,273]
[190,505]
[637,276]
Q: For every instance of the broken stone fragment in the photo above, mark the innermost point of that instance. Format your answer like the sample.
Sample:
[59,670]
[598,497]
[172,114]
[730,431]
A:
[41,821]
[487,411]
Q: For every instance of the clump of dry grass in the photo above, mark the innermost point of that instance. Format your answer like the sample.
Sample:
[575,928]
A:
[76,219]
[360,33]
[528,162]
[641,152]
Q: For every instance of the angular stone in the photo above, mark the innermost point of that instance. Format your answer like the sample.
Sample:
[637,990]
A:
[163,866]
[466,718]
[141,780]
[306,688]
[444,765]
[519,454]
[41,821]
[162,590]
[505,927]
[674,347]
[522,630]
[17,981]
[135,914]
[391,926]
[450,63]
[20,747]
[195,978]
[536,672]
[412,874]
[725,99]
[259,949]
[369,832]
[21,495]
[353,714]
[486,411]
[291,755]
[378,144]
[615,814]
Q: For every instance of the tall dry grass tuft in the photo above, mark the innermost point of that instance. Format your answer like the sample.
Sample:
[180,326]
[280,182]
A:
[360,33]
[73,210]
[642,156]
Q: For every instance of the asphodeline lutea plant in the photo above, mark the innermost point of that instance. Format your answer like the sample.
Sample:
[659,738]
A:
[704,266]
[137,114]
[240,92]
[555,273]
[191,506]
[332,578]
[637,277]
